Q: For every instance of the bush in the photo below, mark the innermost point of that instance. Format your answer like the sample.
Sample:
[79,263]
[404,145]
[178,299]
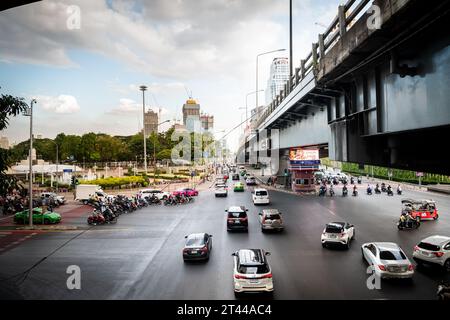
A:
[110,183]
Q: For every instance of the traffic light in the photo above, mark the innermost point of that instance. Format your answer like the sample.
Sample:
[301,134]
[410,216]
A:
[73,180]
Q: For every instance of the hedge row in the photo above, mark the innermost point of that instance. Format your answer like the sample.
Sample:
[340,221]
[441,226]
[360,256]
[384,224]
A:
[118,182]
[397,175]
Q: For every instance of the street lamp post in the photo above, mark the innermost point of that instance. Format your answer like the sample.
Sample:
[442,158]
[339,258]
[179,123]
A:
[257,65]
[143,89]
[30,178]
[154,149]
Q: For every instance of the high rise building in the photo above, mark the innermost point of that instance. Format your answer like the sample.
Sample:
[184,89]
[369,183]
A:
[207,122]
[279,74]
[191,115]
[151,122]
[4,143]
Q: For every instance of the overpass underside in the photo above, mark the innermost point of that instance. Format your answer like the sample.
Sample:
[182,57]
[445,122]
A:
[374,96]
[394,110]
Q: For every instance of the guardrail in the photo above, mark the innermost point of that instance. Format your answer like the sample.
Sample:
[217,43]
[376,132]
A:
[347,15]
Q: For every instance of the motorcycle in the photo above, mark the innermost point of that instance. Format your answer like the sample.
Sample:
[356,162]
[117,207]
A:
[369,191]
[352,180]
[331,192]
[383,188]
[322,192]
[359,180]
[344,192]
[408,225]
[443,292]
[377,190]
[399,191]
[390,192]
[355,193]
[96,218]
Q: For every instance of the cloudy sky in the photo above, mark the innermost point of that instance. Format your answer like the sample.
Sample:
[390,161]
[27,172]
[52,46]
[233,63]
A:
[87,78]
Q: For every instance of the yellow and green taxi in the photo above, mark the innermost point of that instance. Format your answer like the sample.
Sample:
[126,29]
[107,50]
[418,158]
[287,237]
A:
[48,217]
[238,187]
[243,173]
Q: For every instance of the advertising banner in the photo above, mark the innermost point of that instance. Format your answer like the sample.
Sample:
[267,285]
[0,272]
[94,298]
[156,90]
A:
[304,157]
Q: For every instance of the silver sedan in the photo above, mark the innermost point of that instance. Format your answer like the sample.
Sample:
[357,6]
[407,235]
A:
[387,259]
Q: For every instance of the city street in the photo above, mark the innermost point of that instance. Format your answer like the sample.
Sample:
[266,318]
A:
[140,257]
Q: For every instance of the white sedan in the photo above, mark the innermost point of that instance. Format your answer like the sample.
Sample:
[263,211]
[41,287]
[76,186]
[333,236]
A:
[221,190]
[338,233]
[388,260]
[161,195]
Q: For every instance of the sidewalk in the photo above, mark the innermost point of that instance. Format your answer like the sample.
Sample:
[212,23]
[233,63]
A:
[445,189]
[71,214]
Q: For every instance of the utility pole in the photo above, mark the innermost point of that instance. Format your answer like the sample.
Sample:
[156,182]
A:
[143,88]
[30,178]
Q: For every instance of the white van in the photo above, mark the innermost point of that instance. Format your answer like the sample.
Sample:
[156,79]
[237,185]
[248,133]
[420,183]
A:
[260,196]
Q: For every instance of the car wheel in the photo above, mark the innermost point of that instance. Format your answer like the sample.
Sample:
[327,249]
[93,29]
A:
[354,235]
[447,265]
[436,217]
[324,245]
[347,245]
[237,294]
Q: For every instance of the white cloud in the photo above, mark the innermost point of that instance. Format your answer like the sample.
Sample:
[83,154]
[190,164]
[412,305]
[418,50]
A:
[131,107]
[60,104]
[126,106]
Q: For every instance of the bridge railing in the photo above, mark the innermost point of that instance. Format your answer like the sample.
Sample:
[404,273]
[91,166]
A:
[347,15]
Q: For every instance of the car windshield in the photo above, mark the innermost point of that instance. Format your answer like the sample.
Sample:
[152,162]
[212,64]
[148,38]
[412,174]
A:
[261,193]
[392,255]
[237,214]
[254,269]
[195,242]
[429,246]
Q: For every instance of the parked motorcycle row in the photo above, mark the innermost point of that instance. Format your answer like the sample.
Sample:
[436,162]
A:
[107,212]
[178,199]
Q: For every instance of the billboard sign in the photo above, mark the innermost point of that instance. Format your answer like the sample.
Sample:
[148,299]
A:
[304,157]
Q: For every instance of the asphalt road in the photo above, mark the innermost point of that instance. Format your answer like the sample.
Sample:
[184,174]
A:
[140,257]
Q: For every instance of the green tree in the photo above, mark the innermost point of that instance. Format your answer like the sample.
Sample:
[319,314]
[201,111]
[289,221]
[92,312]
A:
[10,106]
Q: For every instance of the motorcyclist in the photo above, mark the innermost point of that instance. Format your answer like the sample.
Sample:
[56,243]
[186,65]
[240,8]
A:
[403,219]
[383,187]
[345,190]
[377,188]
[355,190]
[399,189]
[409,219]
[323,189]
[369,189]
[331,190]
[389,190]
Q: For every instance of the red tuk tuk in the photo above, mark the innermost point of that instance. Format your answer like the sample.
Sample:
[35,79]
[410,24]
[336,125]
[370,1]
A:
[420,209]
